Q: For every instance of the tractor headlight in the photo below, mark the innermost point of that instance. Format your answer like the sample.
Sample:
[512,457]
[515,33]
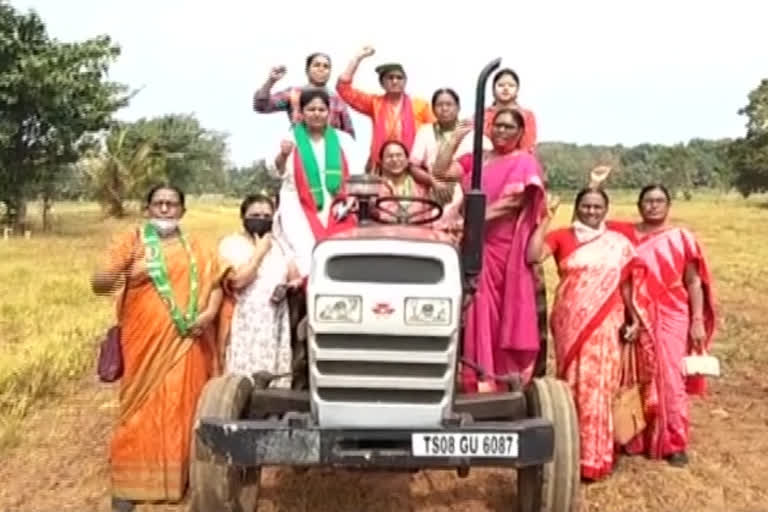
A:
[338,308]
[420,311]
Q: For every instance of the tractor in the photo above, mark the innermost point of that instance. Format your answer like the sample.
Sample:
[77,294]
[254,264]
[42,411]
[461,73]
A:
[384,318]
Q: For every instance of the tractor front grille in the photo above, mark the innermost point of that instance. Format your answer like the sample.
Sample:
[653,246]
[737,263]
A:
[380,379]
[368,342]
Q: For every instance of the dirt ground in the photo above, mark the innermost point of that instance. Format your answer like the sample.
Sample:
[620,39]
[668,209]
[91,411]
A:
[61,466]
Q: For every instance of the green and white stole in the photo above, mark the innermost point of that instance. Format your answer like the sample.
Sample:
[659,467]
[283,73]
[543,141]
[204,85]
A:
[333,163]
[158,272]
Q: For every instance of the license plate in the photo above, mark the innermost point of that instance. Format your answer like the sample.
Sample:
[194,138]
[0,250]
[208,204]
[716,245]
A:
[457,444]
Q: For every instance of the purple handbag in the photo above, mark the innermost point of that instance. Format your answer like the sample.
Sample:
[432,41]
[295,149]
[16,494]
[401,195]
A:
[110,367]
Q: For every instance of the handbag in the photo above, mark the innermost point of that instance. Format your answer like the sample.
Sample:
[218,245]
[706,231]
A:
[110,366]
[628,414]
[702,364]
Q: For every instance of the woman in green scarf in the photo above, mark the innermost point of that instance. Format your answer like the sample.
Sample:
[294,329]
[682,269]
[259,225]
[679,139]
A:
[172,298]
[314,164]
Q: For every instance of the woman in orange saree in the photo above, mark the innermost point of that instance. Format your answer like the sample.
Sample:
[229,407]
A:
[683,321]
[172,298]
[592,304]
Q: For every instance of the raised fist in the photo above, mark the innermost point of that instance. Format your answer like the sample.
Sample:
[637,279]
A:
[366,51]
[286,147]
[276,73]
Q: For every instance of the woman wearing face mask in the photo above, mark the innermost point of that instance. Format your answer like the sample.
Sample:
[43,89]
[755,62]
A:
[259,335]
[601,293]
[171,299]
[501,333]
[314,163]
[683,321]
[506,85]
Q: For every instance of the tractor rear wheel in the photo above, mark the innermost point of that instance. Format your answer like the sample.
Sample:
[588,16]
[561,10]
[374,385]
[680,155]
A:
[214,484]
[555,486]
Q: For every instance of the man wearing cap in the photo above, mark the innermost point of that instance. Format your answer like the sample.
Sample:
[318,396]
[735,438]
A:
[394,114]
[318,69]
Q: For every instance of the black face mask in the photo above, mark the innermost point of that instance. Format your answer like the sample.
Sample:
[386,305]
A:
[257,226]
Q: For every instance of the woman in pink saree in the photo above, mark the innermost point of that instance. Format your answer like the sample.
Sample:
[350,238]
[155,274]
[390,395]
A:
[682,322]
[593,303]
[501,333]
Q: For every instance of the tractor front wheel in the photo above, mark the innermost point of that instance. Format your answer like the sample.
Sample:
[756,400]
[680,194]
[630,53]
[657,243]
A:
[214,484]
[555,486]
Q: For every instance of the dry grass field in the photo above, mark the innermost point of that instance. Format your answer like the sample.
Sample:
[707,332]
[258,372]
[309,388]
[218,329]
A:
[55,418]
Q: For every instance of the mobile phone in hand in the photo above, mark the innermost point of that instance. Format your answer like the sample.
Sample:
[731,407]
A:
[279,294]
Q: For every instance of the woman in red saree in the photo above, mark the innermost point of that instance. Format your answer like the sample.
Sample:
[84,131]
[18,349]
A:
[501,334]
[592,303]
[168,336]
[683,321]
[506,85]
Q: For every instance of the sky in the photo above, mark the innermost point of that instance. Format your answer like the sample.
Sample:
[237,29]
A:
[601,72]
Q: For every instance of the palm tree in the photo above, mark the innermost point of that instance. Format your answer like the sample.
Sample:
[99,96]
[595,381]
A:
[119,171]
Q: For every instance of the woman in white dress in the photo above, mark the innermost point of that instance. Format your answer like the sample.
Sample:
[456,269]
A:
[314,163]
[259,334]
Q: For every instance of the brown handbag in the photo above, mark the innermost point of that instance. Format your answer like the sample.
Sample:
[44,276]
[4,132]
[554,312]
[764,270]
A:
[110,366]
[628,414]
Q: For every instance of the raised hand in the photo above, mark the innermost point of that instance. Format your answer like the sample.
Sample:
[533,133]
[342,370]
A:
[553,203]
[286,147]
[463,128]
[366,51]
[139,270]
[276,73]
[599,174]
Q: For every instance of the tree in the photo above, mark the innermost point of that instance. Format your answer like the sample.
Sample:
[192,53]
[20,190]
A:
[195,157]
[749,155]
[52,93]
[252,179]
[173,148]
[120,170]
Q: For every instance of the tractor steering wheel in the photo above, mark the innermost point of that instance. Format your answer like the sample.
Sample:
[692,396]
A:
[407,217]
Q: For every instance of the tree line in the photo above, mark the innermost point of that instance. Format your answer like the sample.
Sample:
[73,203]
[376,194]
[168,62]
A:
[60,140]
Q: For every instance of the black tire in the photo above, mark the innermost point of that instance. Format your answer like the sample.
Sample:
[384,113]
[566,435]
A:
[555,486]
[215,485]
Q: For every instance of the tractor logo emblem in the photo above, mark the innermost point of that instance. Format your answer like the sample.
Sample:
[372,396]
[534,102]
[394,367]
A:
[383,309]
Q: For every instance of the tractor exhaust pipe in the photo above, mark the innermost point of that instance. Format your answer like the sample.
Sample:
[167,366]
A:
[474,213]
